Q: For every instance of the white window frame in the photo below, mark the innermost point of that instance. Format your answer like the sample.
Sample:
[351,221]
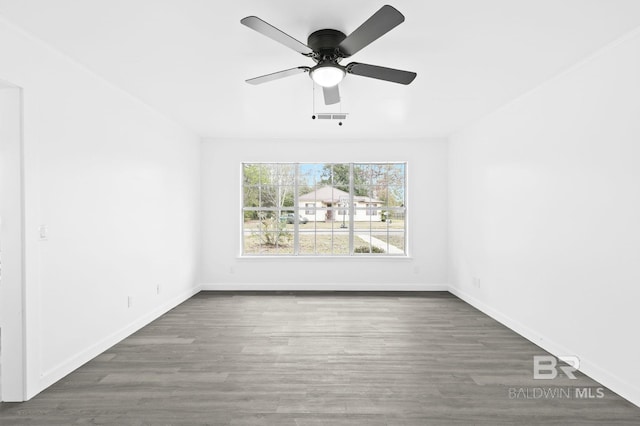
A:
[337,209]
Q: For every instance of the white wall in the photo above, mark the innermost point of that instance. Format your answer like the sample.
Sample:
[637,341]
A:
[117,186]
[427,218]
[544,211]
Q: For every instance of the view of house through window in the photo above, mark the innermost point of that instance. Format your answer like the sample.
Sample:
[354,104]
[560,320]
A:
[334,209]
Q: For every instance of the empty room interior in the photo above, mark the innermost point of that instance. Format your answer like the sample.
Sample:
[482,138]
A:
[319,213]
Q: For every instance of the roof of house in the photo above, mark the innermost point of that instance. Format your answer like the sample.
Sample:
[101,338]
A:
[329,194]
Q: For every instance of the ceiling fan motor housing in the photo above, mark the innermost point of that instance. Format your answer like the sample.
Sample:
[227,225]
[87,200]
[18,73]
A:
[324,44]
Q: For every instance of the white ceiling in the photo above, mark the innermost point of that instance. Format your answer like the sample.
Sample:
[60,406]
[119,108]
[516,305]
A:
[189,58]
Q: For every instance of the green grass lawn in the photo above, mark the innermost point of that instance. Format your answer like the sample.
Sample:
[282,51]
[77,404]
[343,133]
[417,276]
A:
[324,238]
[309,244]
[394,240]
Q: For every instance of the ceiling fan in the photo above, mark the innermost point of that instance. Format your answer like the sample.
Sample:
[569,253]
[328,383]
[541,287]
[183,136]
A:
[327,47]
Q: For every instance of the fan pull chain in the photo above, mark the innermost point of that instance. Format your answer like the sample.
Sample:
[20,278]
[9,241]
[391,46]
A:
[313,100]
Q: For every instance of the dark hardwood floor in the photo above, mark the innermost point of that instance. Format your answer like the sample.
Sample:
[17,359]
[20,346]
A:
[311,359]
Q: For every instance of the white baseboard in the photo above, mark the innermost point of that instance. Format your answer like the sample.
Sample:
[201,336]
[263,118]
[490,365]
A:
[74,362]
[323,287]
[625,389]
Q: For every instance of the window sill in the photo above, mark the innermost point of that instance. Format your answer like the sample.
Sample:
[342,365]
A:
[323,258]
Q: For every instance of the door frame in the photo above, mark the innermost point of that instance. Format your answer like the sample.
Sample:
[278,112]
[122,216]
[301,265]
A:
[12,240]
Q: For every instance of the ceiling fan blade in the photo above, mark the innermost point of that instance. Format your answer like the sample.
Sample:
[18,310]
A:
[277,75]
[381,73]
[331,95]
[273,33]
[380,23]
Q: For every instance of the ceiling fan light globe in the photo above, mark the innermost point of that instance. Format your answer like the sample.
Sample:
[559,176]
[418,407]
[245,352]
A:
[328,75]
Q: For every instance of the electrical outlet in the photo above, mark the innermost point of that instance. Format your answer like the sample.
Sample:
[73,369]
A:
[129,301]
[158,289]
[476,282]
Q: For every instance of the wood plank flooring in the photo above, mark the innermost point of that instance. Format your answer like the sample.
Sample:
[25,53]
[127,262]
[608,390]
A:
[318,358]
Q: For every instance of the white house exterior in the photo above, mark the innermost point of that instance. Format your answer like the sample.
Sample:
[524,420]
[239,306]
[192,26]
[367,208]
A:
[328,204]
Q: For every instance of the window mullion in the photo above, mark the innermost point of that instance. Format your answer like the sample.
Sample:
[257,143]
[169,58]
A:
[351,209]
[296,212]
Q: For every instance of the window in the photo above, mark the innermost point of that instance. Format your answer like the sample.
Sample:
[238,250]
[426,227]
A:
[324,209]
[309,210]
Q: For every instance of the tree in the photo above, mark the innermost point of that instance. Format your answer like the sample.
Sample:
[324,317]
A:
[268,185]
[279,192]
[337,175]
[385,182]
[251,175]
